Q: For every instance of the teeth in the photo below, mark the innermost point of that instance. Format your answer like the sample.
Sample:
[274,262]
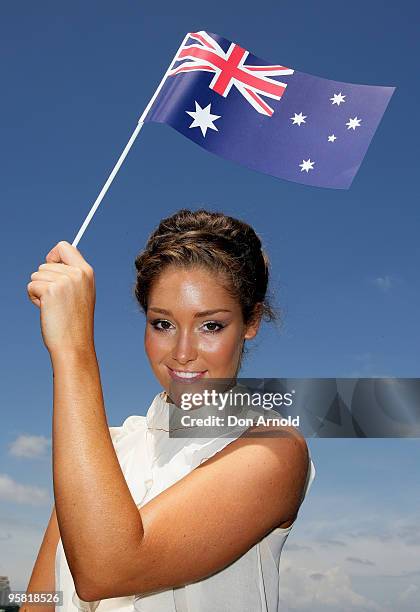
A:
[186,374]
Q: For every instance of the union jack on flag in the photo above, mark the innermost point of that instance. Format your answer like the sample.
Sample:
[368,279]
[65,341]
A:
[266,116]
[230,69]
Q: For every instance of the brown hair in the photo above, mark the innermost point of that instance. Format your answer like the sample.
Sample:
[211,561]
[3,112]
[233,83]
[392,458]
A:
[219,243]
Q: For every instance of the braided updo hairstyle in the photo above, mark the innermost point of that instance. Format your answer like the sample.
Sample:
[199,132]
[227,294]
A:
[217,242]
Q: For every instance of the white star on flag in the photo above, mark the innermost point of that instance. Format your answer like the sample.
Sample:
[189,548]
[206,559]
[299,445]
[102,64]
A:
[298,119]
[338,98]
[306,165]
[203,118]
[332,137]
[352,124]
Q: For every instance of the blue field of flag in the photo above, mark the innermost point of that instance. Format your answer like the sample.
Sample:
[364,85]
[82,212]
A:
[266,116]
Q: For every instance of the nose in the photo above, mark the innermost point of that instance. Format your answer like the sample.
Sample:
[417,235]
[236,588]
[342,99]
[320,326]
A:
[185,348]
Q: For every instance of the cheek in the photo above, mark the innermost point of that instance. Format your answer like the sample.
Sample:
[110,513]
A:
[155,344]
[222,347]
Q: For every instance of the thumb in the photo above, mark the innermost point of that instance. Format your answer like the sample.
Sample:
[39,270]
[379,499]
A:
[64,252]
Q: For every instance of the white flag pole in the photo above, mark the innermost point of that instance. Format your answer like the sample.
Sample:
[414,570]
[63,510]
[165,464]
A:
[124,153]
[107,184]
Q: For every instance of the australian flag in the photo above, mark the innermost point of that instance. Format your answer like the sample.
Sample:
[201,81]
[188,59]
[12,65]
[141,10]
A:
[268,117]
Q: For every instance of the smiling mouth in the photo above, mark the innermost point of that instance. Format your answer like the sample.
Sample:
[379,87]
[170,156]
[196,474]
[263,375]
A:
[185,375]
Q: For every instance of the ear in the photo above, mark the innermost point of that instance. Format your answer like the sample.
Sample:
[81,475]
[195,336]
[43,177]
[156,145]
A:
[254,323]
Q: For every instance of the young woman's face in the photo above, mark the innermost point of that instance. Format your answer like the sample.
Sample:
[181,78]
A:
[194,328]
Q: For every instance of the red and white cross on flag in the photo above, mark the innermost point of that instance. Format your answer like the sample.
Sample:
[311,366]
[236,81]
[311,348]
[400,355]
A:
[230,69]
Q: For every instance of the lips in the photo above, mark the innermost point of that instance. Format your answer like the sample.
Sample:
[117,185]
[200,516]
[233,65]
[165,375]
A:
[185,376]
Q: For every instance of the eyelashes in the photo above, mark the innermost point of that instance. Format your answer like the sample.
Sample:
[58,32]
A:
[220,326]
[167,326]
[157,322]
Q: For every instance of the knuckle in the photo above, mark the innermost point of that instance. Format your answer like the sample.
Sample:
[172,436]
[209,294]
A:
[87,271]
[76,274]
[53,291]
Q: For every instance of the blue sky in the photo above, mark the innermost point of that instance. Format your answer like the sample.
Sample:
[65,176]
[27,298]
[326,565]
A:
[75,78]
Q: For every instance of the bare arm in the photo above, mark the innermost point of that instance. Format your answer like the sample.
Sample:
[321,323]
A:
[43,573]
[212,516]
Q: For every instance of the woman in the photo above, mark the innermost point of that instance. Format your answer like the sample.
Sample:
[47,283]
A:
[150,521]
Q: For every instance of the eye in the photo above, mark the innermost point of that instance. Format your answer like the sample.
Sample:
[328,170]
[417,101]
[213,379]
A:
[161,324]
[213,327]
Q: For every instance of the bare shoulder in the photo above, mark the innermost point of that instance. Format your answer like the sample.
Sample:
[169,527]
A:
[286,440]
[285,443]
[276,460]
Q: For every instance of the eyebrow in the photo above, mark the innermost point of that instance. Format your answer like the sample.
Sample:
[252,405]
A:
[204,313]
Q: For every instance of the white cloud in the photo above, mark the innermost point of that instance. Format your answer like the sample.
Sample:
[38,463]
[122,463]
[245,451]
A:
[30,446]
[383,282]
[304,589]
[376,569]
[410,594]
[12,491]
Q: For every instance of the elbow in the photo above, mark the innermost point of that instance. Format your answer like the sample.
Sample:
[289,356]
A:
[105,578]
[87,586]
[87,591]
[98,585]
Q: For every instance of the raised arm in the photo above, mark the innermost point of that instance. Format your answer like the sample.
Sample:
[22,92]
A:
[194,528]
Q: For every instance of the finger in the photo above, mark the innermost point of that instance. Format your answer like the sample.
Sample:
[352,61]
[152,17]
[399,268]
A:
[45,275]
[35,301]
[36,290]
[64,252]
[59,268]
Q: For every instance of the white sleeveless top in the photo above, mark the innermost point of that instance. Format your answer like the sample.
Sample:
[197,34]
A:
[151,461]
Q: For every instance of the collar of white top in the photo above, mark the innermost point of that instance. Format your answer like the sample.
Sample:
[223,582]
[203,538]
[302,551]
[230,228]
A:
[164,415]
